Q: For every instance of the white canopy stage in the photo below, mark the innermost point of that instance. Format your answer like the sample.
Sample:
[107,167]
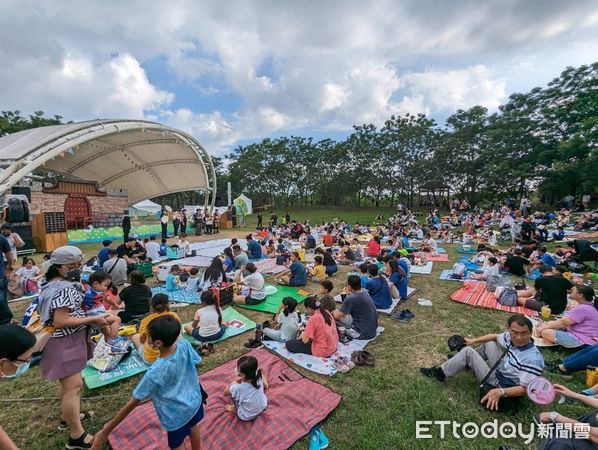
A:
[145,158]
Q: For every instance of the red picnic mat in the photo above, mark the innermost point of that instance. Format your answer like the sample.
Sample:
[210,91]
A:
[295,405]
[440,257]
[474,293]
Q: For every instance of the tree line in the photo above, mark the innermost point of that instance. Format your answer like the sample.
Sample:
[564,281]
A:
[542,143]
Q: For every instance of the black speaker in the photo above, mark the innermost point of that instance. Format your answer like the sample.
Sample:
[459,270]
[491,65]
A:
[218,203]
[26,234]
[22,190]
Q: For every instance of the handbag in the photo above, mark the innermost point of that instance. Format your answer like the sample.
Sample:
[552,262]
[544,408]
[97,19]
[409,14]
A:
[505,404]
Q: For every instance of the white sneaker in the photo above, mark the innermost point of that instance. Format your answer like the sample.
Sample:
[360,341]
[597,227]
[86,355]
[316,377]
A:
[424,302]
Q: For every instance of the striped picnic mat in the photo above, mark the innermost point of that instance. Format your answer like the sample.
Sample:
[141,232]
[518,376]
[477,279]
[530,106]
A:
[441,257]
[269,266]
[475,294]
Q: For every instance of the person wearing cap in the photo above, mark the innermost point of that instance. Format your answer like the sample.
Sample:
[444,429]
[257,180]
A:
[68,349]
[116,267]
[103,254]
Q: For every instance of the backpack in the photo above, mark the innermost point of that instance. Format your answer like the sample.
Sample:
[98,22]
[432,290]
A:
[459,269]
[508,297]
[494,281]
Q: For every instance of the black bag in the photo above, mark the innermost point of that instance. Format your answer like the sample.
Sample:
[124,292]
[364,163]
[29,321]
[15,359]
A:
[456,343]
[505,404]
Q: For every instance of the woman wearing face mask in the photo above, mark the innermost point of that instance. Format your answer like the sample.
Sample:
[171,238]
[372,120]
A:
[68,349]
[16,346]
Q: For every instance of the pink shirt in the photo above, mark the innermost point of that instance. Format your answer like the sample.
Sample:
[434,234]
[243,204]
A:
[324,338]
[585,328]
[373,248]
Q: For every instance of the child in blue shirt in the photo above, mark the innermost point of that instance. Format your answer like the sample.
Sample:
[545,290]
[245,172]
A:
[163,247]
[363,274]
[172,385]
[172,280]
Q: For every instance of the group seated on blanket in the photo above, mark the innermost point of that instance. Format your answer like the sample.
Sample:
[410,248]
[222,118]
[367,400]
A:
[520,362]
[579,326]
[550,289]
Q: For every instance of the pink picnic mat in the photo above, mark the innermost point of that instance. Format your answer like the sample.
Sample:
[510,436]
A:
[440,257]
[474,293]
[295,405]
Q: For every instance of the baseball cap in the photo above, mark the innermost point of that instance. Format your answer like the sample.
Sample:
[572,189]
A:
[106,242]
[66,254]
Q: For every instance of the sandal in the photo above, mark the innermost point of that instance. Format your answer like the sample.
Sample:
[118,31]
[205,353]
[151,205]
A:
[79,443]
[84,416]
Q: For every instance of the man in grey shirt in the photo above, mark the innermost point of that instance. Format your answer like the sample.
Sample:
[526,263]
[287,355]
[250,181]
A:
[358,311]
[117,268]
[241,258]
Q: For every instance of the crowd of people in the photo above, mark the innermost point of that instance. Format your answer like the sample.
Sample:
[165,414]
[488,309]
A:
[380,257]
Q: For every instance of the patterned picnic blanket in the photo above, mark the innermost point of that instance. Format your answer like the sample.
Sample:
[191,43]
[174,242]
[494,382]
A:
[441,257]
[474,293]
[323,366]
[269,266]
[422,270]
[295,405]
[445,275]
[178,296]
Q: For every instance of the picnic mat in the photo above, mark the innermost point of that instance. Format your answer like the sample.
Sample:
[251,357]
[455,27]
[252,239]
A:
[474,293]
[446,276]
[269,266]
[441,257]
[295,405]
[179,296]
[422,270]
[388,311]
[132,365]
[238,324]
[534,274]
[323,366]
[471,251]
[469,265]
[540,342]
[273,301]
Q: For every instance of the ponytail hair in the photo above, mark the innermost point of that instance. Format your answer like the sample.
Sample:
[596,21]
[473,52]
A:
[588,294]
[289,305]
[313,303]
[247,365]
[208,298]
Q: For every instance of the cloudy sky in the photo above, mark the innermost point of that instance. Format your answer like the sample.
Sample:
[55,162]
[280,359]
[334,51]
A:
[232,72]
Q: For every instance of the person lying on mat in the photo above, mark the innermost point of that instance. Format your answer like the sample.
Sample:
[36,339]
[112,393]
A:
[296,274]
[550,289]
[247,390]
[207,323]
[287,322]
[17,344]
[171,383]
[377,288]
[519,362]
[587,423]
[160,307]
[579,327]
[319,337]
[252,287]
[492,268]
[358,311]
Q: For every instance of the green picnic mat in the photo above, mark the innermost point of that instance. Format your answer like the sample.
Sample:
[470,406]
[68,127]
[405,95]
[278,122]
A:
[128,367]
[238,324]
[273,301]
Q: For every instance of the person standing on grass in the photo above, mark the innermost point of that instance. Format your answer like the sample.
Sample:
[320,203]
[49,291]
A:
[171,383]
[520,362]
[184,221]
[126,224]
[6,263]
[67,351]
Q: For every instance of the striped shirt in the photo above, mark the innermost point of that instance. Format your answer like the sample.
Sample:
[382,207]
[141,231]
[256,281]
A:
[520,365]
[69,298]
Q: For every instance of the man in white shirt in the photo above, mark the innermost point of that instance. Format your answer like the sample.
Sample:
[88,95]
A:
[153,249]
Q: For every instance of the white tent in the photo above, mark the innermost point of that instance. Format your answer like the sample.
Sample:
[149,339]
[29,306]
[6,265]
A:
[145,208]
[245,203]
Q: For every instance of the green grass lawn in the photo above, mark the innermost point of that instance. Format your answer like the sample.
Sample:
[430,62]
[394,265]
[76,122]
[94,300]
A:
[379,406]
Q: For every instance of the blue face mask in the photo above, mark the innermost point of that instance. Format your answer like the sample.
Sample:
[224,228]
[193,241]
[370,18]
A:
[20,372]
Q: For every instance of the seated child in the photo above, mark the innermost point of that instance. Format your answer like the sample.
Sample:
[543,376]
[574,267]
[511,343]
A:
[163,247]
[172,279]
[160,307]
[94,300]
[29,271]
[363,274]
[172,385]
[318,272]
[207,324]
[193,281]
[247,391]
[287,322]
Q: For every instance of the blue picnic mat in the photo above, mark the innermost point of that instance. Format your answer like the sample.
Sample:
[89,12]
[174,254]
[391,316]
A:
[468,264]
[471,251]
[179,296]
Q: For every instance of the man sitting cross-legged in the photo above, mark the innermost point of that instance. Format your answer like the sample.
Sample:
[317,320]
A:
[521,363]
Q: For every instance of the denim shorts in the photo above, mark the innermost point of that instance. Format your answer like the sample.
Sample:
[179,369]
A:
[215,336]
[177,437]
[566,339]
